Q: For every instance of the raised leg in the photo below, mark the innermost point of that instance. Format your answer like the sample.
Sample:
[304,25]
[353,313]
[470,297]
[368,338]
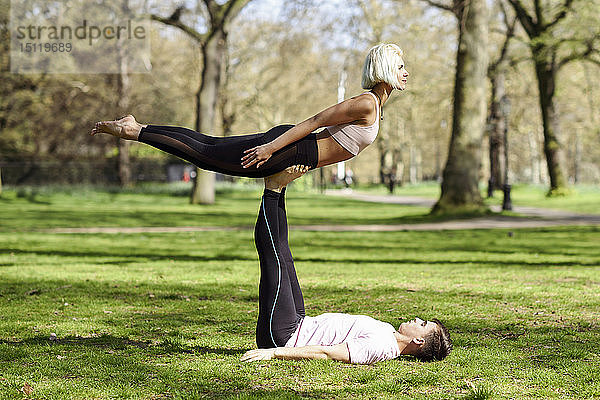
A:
[287,256]
[277,317]
[217,154]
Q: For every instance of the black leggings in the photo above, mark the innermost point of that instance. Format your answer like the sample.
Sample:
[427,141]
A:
[280,301]
[224,154]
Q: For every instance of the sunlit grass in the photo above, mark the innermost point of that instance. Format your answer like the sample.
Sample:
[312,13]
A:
[42,208]
[582,198]
[168,315]
[144,315]
[35,208]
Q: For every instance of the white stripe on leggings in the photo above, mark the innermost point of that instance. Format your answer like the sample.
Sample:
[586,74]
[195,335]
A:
[279,271]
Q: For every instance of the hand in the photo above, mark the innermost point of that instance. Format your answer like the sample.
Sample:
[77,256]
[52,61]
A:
[259,354]
[258,154]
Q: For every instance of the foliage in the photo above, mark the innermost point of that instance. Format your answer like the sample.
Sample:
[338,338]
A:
[285,66]
[555,40]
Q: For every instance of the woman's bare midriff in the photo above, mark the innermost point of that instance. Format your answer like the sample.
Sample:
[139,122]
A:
[330,151]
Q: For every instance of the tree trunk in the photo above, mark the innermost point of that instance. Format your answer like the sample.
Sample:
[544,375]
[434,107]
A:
[213,54]
[397,168]
[382,172]
[123,87]
[546,71]
[460,189]
[496,131]
[535,158]
[124,163]
[577,150]
[123,159]
[413,164]
[213,44]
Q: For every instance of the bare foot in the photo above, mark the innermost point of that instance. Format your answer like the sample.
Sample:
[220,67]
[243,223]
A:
[126,128]
[281,179]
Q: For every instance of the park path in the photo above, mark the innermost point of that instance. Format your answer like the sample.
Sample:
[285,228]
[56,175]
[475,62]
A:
[541,217]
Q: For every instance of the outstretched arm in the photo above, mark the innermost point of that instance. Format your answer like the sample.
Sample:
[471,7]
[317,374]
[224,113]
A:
[338,352]
[357,109]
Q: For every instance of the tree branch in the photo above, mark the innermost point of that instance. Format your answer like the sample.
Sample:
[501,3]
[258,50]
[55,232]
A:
[593,61]
[220,15]
[526,20]
[505,14]
[539,16]
[583,55]
[234,8]
[441,6]
[560,16]
[194,34]
[516,61]
[213,8]
[510,33]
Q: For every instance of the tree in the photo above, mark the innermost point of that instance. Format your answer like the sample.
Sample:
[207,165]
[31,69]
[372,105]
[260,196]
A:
[496,118]
[123,89]
[541,23]
[403,136]
[460,182]
[4,43]
[213,46]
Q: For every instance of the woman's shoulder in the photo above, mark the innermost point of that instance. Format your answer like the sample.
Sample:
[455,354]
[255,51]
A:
[366,99]
[365,103]
[365,106]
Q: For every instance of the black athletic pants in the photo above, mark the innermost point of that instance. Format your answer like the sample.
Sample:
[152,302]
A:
[280,302]
[224,154]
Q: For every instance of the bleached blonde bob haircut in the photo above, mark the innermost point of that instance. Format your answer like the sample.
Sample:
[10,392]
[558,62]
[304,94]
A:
[381,65]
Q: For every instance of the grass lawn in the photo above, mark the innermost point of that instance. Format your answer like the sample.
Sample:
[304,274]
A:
[584,199]
[164,205]
[168,315]
[28,209]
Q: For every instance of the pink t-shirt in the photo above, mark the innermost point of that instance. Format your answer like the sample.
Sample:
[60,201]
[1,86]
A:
[368,339]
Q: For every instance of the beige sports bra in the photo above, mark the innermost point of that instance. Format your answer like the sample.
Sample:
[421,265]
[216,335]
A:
[355,138]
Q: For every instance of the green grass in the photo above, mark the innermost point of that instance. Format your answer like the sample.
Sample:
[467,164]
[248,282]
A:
[146,316]
[43,208]
[583,198]
[29,208]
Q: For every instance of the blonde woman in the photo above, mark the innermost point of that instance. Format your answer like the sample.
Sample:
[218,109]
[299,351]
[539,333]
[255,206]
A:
[349,127]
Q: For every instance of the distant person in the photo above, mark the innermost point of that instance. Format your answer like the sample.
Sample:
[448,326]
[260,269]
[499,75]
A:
[284,331]
[350,126]
[348,178]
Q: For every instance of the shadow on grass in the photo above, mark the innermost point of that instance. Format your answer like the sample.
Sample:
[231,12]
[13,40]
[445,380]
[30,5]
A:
[456,248]
[105,341]
[142,257]
[130,256]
